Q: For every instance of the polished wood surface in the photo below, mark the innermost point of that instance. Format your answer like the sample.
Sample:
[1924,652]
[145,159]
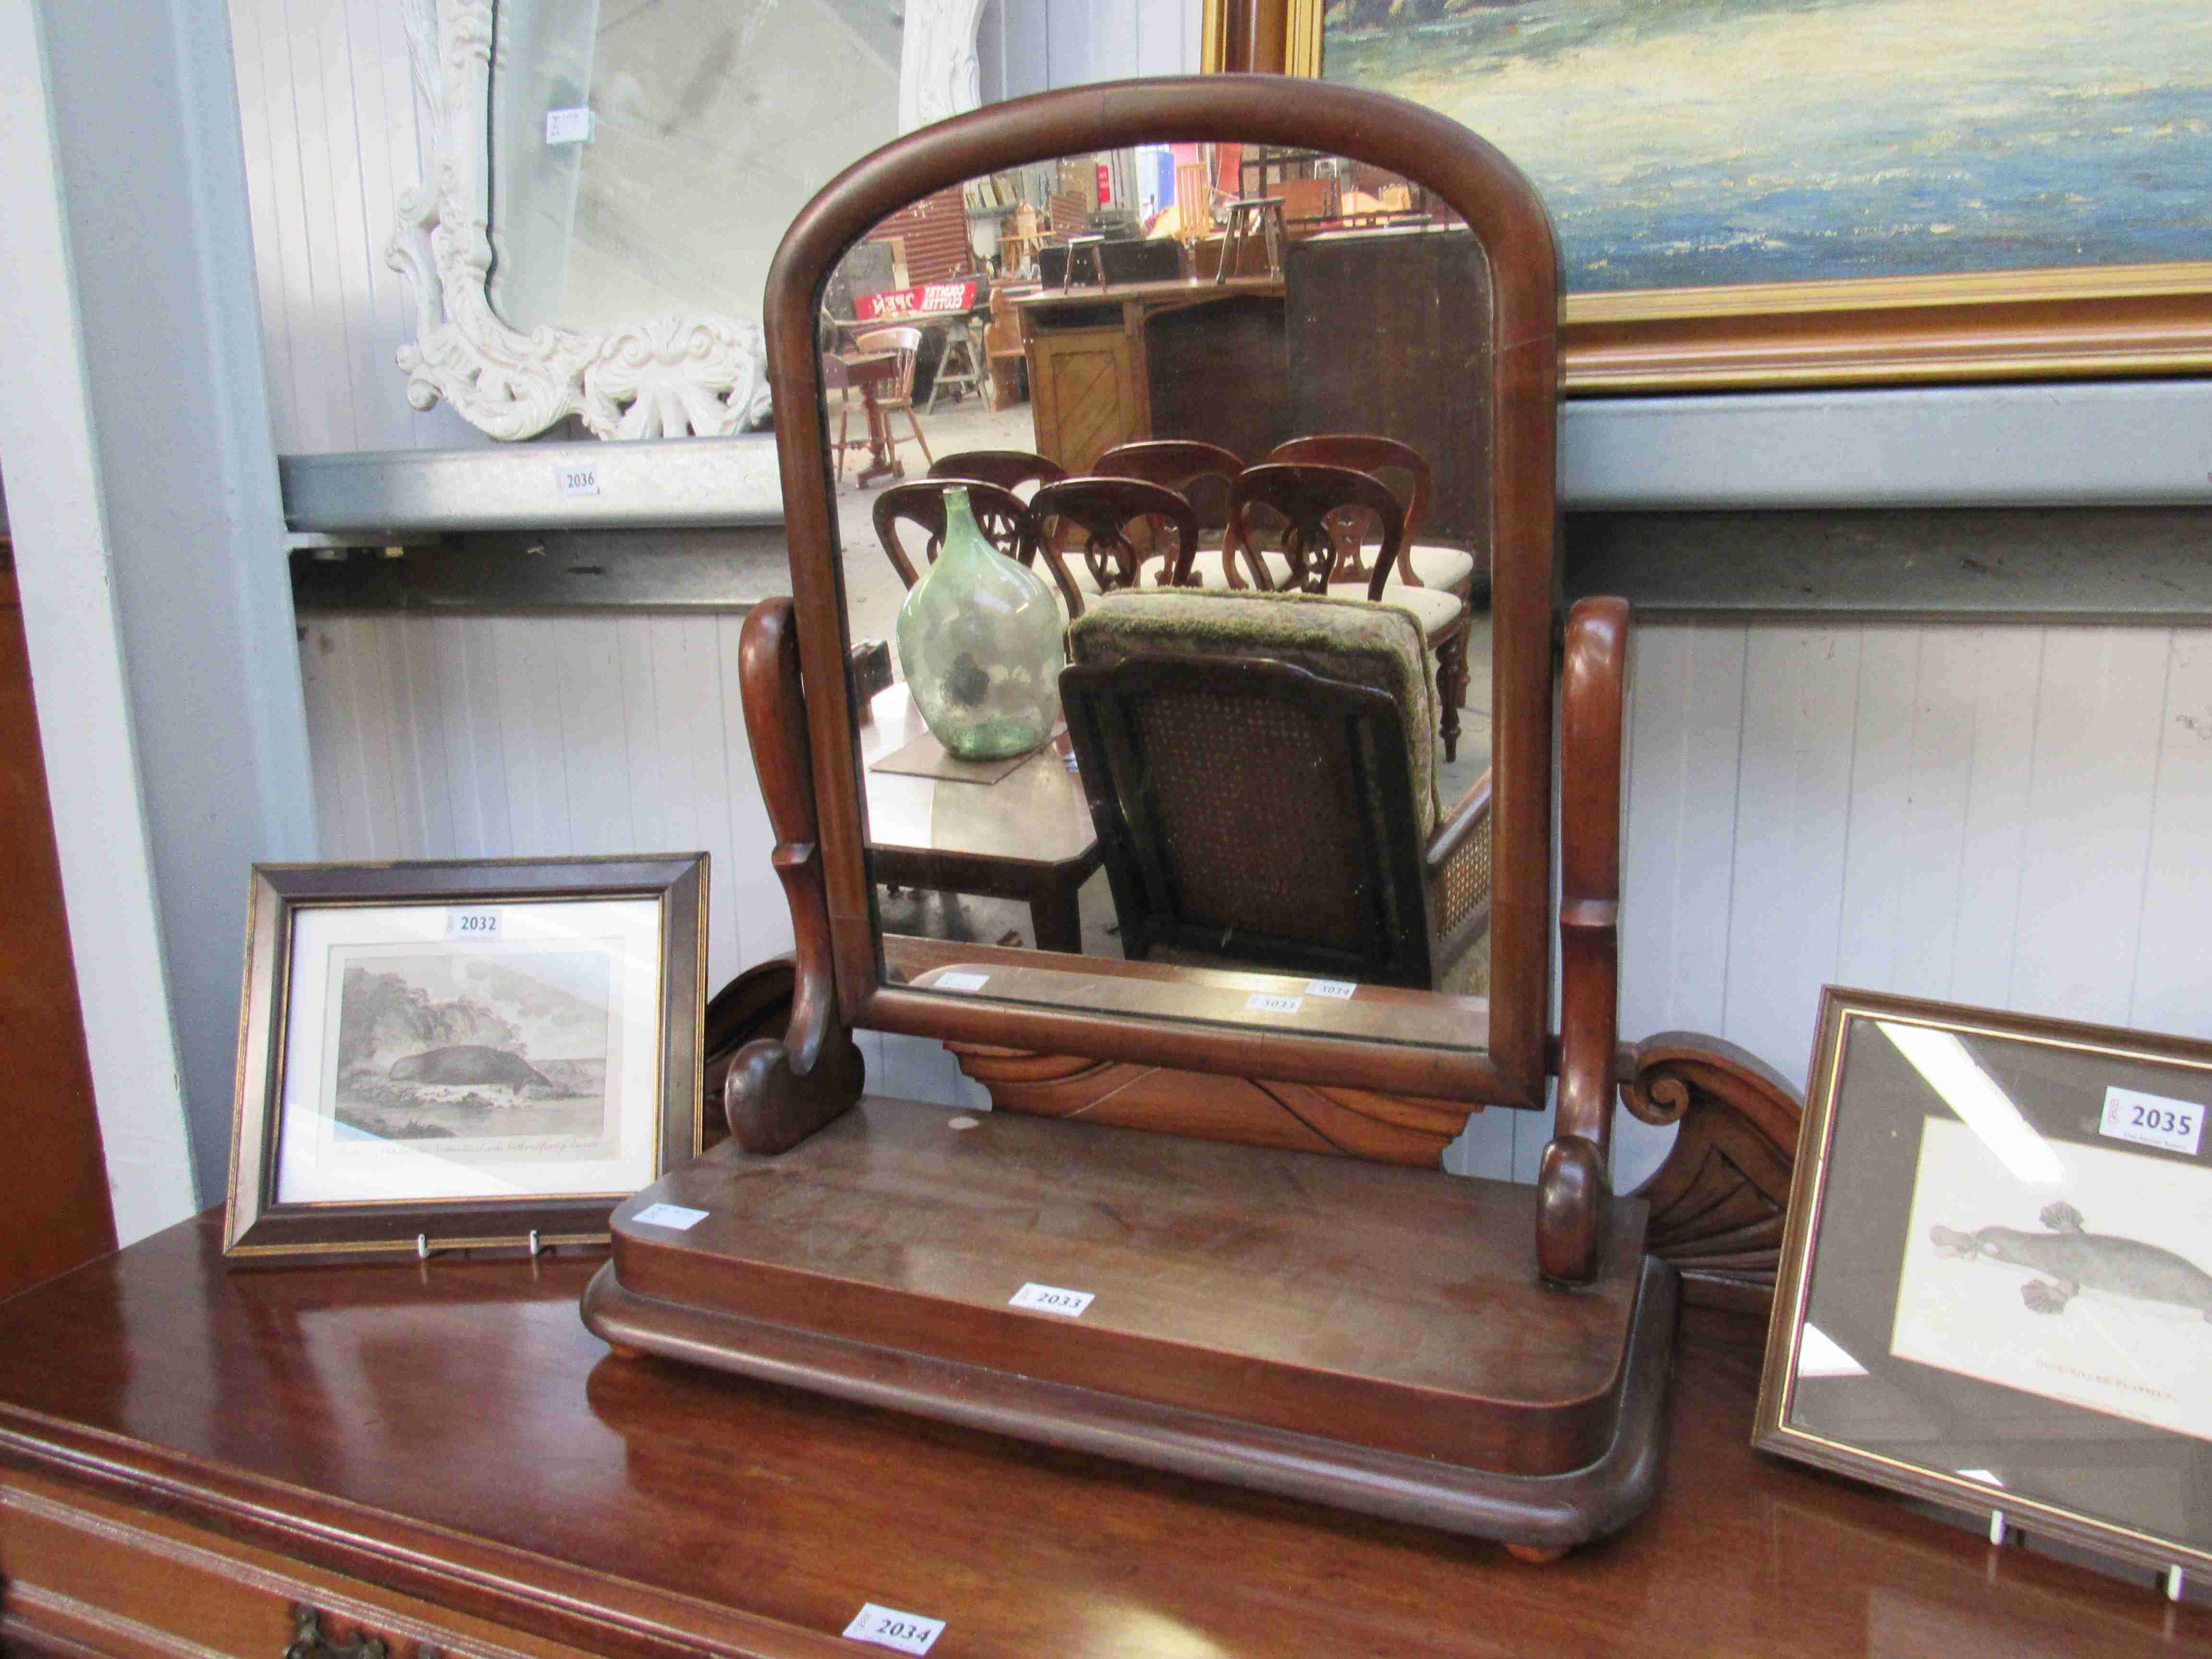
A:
[1577,1161]
[54,1181]
[1391,1128]
[1314,1295]
[451,1438]
[776,1091]
[1502,209]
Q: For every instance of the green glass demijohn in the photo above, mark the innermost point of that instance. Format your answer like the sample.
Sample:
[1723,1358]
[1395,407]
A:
[981,643]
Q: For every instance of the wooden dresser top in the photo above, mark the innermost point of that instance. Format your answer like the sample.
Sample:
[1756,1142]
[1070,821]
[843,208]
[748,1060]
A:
[450,1431]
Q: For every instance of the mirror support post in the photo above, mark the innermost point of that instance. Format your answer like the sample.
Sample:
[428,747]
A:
[778,1093]
[1575,1177]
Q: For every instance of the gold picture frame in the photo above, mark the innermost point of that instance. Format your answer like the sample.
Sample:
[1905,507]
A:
[1975,1300]
[2077,322]
[463,1055]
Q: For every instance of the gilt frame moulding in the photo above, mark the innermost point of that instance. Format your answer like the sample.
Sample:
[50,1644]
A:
[2071,322]
[672,375]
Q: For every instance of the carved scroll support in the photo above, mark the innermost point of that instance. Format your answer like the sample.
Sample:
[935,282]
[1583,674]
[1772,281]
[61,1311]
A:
[1719,1201]
[777,1093]
[1574,1177]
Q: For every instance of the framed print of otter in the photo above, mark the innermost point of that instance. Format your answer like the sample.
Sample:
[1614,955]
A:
[441,1056]
[1995,1290]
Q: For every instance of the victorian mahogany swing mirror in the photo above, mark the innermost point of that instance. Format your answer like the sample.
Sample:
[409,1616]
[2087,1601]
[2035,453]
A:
[1192,443]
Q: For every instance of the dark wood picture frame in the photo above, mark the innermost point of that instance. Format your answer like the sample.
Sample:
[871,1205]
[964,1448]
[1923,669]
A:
[1498,204]
[256,1225]
[2079,322]
[1778,1429]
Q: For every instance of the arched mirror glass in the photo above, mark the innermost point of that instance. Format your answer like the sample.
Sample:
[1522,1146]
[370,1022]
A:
[1217,414]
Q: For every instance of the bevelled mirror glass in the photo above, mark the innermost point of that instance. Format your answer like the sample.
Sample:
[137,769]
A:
[1185,449]
[619,130]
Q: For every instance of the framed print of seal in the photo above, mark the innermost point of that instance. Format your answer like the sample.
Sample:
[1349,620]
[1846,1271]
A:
[464,1054]
[1997,1282]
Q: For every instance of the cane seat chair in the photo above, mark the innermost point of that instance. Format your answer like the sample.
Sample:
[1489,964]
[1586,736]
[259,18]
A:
[1106,511]
[1312,505]
[1002,516]
[907,342]
[1186,705]
[1204,474]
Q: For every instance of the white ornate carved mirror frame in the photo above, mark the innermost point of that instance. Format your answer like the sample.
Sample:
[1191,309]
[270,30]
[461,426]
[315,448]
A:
[666,376]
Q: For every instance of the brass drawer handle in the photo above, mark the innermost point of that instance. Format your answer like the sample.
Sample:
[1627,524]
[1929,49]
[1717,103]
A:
[308,1641]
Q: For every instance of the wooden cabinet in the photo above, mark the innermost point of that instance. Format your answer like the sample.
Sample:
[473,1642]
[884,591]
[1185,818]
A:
[1087,386]
[1155,360]
[87,1574]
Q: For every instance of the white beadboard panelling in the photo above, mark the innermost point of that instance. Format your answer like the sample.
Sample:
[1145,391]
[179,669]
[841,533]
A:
[2008,816]
[2173,989]
[1793,800]
[326,110]
[1989,684]
[2102,701]
[495,736]
[1684,738]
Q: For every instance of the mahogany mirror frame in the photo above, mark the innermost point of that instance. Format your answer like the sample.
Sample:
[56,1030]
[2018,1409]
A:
[1514,233]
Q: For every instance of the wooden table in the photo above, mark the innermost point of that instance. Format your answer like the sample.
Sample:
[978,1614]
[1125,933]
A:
[1028,836]
[871,371]
[441,1453]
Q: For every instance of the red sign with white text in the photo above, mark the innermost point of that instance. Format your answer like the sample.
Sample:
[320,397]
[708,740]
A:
[1105,186]
[931,300]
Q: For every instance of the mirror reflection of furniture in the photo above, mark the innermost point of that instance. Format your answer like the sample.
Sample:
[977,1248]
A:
[1009,469]
[863,375]
[1002,347]
[1421,564]
[1003,516]
[897,396]
[1467,1393]
[1262,217]
[1105,510]
[1185,707]
[1149,360]
[1202,473]
[960,363]
[1310,505]
[1018,830]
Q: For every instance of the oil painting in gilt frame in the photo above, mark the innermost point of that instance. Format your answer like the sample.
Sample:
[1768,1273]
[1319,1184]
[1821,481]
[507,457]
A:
[1995,1287]
[1777,192]
[438,1056]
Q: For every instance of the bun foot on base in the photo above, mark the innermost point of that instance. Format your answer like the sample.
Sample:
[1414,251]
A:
[1536,1555]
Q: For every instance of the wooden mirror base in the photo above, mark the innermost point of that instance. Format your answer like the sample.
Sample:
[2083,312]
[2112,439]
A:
[1352,1333]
